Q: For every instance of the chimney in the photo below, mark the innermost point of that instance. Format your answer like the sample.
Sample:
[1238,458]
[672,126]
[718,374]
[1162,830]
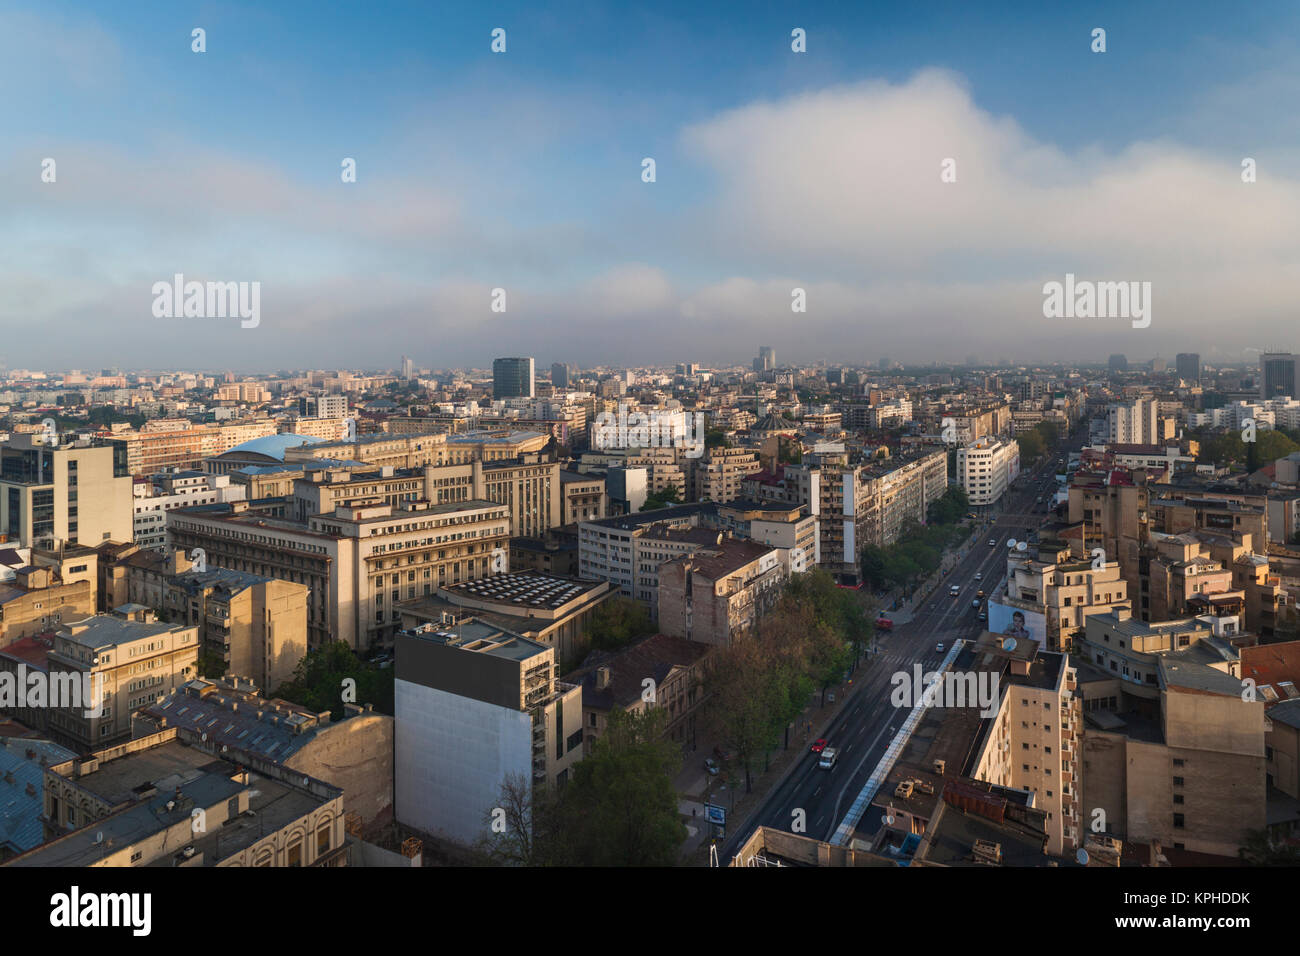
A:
[602,677]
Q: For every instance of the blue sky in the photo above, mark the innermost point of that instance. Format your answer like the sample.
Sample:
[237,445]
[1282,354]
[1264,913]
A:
[522,171]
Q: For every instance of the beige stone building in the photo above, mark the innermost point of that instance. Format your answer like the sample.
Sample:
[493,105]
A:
[40,598]
[583,497]
[125,660]
[718,592]
[111,808]
[717,475]
[359,561]
[1065,591]
[1174,755]
[70,493]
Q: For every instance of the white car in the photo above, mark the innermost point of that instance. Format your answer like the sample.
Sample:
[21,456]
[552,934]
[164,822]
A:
[975,603]
[979,575]
[993,542]
[939,647]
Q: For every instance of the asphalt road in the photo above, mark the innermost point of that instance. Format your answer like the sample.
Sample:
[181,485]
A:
[862,730]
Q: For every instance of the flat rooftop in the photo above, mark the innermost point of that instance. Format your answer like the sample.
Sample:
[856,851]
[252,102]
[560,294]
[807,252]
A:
[475,636]
[104,630]
[521,590]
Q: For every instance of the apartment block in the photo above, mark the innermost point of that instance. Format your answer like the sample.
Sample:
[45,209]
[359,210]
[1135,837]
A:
[987,468]
[125,660]
[627,551]
[1174,751]
[1063,592]
[788,528]
[136,804]
[41,597]
[615,681]
[717,593]
[477,708]
[249,625]
[717,475]
[1031,743]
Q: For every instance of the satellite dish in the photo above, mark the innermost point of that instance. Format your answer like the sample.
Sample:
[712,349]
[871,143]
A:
[1082,857]
[1022,546]
[889,819]
[1011,542]
[99,837]
[1008,643]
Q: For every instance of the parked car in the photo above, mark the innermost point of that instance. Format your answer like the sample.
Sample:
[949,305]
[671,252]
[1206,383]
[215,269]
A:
[711,766]
[980,594]
[819,745]
[975,603]
[979,575]
[884,624]
[954,590]
[939,647]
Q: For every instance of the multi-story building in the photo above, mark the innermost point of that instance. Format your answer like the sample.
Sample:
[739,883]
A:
[1063,591]
[1279,375]
[513,378]
[905,489]
[167,445]
[323,406]
[358,561]
[1173,748]
[1188,367]
[41,596]
[1133,423]
[73,493]
[788,528]
[122,661]
[553,611]
[477,708]
[627,551]
[109,809]
[530,486]
[718,593]
[891,414]
[718,474]
[987,468]
[249,625]
[583,497]
[615,681]
[178,489]
[1031,743]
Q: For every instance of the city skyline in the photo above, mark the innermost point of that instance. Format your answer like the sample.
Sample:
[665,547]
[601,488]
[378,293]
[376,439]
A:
[523,170]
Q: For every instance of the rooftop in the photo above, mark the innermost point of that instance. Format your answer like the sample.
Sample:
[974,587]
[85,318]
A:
[105,630]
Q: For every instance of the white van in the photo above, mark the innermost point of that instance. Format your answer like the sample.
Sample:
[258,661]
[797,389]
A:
[829,756]
[954,590]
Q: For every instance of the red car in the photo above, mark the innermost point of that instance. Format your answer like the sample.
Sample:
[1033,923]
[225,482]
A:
[819,745]
[884,624]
